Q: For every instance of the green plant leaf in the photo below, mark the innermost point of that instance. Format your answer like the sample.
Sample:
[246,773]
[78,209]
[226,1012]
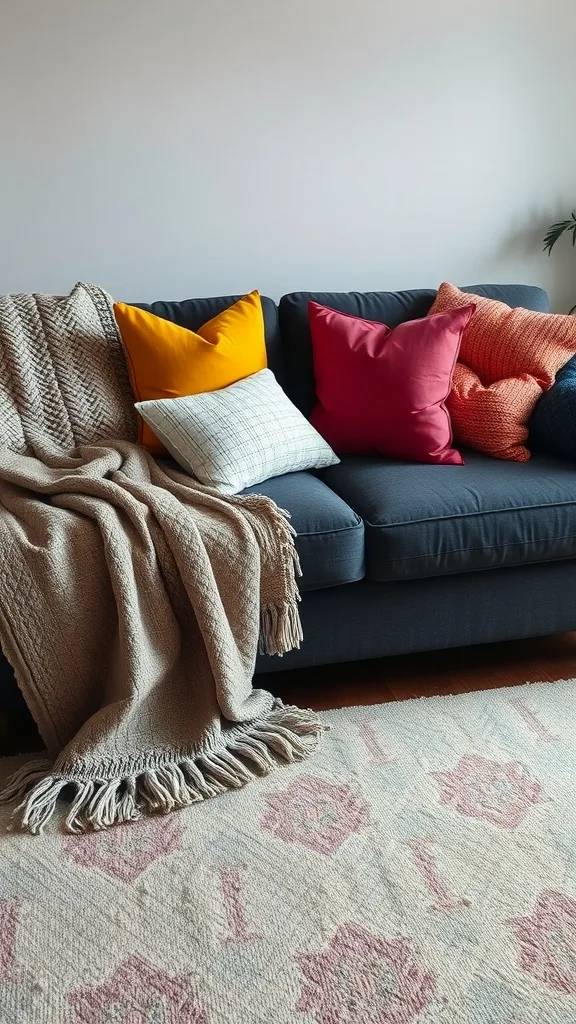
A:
[555,231]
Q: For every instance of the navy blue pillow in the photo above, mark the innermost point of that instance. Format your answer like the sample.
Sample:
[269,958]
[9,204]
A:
[553,423]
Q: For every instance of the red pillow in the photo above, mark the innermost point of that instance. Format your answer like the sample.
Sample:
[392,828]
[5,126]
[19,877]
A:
[383,390]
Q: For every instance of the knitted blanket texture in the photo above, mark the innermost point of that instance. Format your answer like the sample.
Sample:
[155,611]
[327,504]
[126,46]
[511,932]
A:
[133,600]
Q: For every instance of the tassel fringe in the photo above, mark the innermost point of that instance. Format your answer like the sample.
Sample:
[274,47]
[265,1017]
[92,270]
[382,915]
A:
[287,734]
[280,628]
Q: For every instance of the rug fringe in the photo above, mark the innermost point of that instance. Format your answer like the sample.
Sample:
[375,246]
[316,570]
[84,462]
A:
[286,734]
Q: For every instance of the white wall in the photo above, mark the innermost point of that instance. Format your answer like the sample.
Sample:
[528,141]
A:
[170,148]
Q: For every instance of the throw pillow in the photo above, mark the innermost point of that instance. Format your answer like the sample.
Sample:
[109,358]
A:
[239,435]
[383,390]
[508,358]
[168,361]
[553,424]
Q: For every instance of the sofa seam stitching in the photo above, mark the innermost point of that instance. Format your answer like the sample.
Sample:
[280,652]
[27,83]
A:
[483,547]
[467,515]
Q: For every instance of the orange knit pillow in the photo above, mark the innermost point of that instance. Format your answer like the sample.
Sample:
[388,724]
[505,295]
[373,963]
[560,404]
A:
[508,358]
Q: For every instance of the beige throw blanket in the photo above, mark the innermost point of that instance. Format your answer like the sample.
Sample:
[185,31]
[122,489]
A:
[132,600]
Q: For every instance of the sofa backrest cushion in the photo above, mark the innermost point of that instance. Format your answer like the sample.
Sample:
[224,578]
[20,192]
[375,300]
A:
[390,308]
[193,313]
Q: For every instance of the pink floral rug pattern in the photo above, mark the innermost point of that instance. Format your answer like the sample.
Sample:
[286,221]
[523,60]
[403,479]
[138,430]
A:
[422,868]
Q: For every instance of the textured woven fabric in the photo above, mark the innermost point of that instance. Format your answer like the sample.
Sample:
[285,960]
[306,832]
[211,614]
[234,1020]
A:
[238,436]
[493,417]
[63,377]
[131,599]
[419,871]
[508,358]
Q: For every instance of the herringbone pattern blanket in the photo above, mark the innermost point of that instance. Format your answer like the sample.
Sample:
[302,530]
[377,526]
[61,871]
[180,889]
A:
[132,600]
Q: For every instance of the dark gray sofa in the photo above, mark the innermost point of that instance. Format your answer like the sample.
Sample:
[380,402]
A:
[416,557]
[400,557]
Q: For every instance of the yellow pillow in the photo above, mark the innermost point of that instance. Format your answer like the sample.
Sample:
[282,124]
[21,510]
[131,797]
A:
[168,361]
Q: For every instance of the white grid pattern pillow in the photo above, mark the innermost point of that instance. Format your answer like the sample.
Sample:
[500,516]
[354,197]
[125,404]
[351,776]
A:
[239,435]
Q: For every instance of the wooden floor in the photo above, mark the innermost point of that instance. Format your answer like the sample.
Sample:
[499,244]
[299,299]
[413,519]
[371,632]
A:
[423,675]
[374,682]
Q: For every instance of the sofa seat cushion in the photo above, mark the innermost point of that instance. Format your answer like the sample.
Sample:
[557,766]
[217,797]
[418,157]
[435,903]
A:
[330,536]
[423,520]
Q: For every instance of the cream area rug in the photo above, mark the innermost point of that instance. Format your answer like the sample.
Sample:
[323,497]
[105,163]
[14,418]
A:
[420,869]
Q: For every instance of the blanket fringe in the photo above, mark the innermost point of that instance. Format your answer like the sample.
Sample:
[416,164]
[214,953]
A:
[287,734]
[280,628]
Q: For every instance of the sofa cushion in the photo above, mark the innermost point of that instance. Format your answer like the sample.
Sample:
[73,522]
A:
[553,424]
[390,308]
[508,359]
[424,520]
[330,536]
[194,313]
[383,391]
[167,361]
[237,436]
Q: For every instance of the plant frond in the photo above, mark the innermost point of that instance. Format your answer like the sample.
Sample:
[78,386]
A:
[555,231]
